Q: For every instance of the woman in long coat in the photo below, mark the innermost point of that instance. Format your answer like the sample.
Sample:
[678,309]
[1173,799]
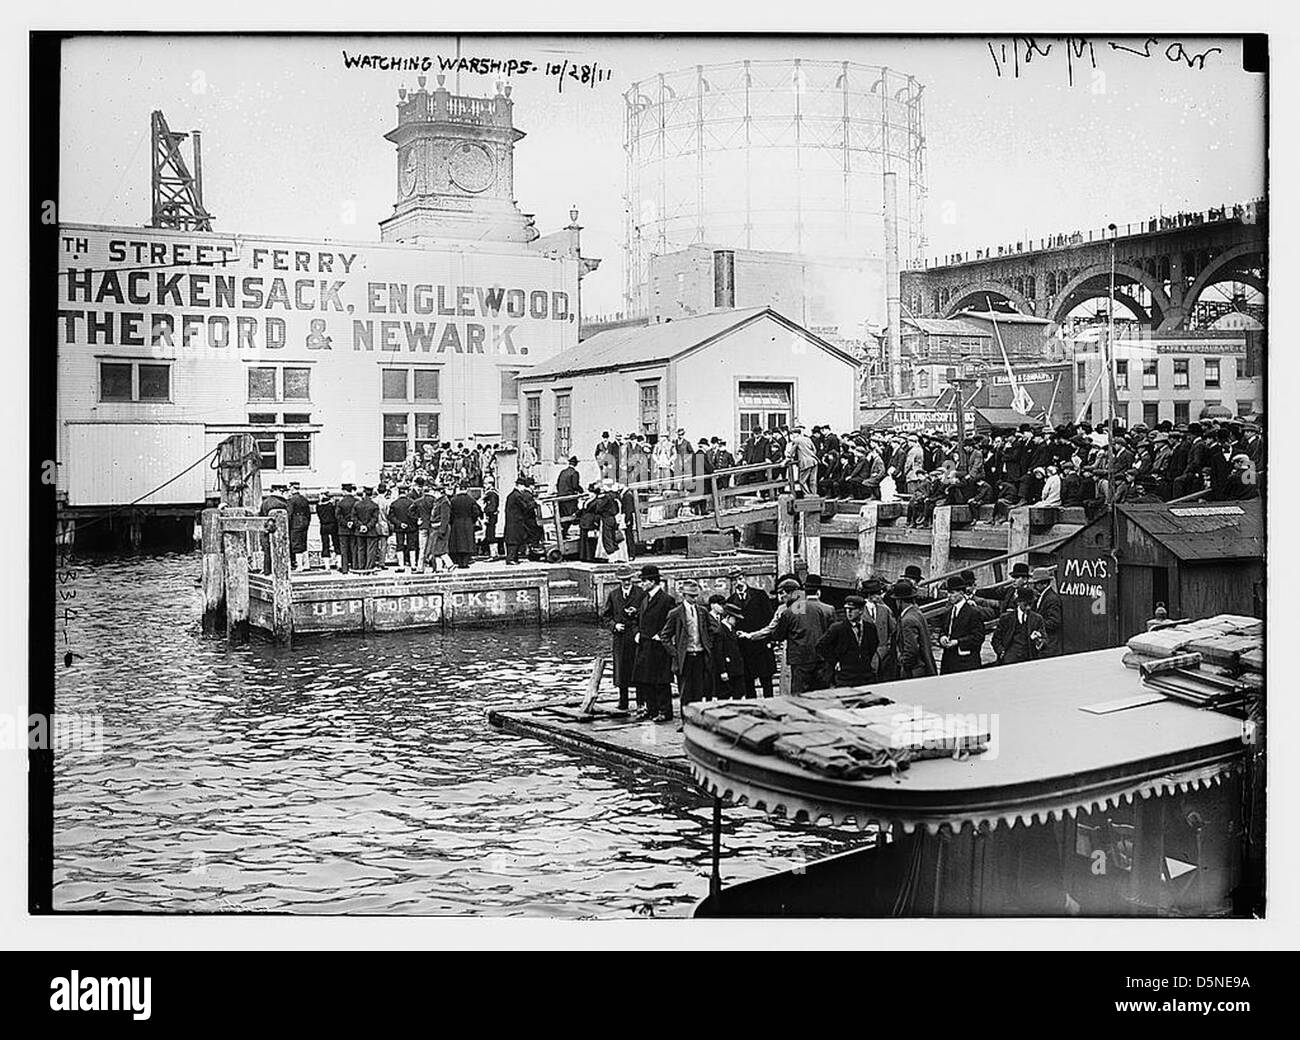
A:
[465,513]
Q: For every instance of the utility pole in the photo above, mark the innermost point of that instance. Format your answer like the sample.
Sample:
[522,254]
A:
[959,388]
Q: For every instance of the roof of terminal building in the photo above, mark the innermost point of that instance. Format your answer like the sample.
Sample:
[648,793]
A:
[946,327]
[1006,317]
[649,344]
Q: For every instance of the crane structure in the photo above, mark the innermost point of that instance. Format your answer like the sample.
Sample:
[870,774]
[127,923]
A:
[177,193]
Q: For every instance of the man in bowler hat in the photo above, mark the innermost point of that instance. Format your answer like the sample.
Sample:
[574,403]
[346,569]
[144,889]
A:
[653,669]
[619,614]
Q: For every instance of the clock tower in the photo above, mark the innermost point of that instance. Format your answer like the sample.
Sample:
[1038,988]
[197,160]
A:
[455,169]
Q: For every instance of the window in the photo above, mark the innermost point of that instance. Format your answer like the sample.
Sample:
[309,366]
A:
[1211,373]
[1150,380]
[296,418]
[1182,412]
[426,384]
[128,381]
[649,408]
[1121,375]
[510,426]
[1150,413]
[509,386]
[1080,375]
[534,404]
[297,450]
[155,383]
[261,418]
[395,437]
[563,426]
[261,384]
[297,384]
[1180,374]
[394,384]
[267,448]
[115,382]
[764,406]
[426,431]
[1245,408]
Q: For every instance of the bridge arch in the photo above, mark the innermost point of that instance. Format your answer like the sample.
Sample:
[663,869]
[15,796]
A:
[1076,290]
[978,292]
[1220,269]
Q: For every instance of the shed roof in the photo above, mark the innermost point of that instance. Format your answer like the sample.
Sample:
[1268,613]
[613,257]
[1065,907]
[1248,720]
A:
[1203,531]
[947,327]
[622,348]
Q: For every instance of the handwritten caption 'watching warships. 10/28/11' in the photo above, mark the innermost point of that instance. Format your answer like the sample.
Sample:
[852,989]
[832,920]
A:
[585,73]
[1020,52]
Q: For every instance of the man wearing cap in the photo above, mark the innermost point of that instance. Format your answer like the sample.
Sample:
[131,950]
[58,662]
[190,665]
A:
[619,614]
[1047,603]
[801,629]
[403,524]
[756,609]
[849,647]
[876,612]
[568,486]
[915,648]
[345,513]
[1021,633]
[729,679]
[329,529]
[653,669]
[299,523]
[366,541]
[825,617]
[688,631]
[962,635]
[274,500]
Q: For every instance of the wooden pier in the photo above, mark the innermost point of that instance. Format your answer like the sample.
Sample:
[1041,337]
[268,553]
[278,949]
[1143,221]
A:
[612,737]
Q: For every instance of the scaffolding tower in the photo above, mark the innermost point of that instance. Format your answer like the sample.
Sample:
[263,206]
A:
[177,193]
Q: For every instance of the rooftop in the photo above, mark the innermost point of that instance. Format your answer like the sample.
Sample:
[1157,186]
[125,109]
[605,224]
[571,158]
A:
[1203,531]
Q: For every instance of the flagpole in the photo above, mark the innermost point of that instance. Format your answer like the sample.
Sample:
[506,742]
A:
[1110,383]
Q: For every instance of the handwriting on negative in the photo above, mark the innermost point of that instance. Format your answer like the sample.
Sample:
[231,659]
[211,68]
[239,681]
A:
[1020,52]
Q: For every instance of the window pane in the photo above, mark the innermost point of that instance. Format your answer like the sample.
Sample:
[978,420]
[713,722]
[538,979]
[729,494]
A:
[1150,413]
[155,382]
[114,382]
[1182,412]
[297,449]
[266,448]
[394,451]
[394,384]
[1121,375]
[563,425]
[297,384]
[426,426]
[535,423]
[426,384]
[395,426]
[261,384]
[510,426]
[1212,373]
[296,418]
[509,386]
[1080,375]
[261,418]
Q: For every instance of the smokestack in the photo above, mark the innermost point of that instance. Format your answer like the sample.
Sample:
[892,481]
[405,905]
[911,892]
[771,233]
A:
[198,167]
[893,288]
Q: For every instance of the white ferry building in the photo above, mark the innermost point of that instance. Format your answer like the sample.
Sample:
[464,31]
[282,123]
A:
[339,357]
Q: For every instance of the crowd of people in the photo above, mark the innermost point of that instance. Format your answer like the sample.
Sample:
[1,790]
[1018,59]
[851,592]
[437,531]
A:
[722,647]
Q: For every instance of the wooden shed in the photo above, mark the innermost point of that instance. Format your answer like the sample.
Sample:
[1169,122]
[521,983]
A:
[1197,558]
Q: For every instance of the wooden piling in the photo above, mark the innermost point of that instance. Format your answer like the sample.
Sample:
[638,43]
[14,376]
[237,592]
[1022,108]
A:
[235,552]
[1018,536]
[785,528]
[281,588]
[940,539]
[214,573]
[812,541]
[868,519]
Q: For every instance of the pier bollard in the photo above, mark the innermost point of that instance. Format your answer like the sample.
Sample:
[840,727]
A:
[235,552]
[785,528]
[1018,535]
[214,573]
[940,539]
[868,520]
[281,586]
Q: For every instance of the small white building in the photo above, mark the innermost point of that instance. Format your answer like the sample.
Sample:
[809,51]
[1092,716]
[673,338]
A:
[717,375]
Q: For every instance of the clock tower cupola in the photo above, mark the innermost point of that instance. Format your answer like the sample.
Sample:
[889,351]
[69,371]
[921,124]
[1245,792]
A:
[455,169]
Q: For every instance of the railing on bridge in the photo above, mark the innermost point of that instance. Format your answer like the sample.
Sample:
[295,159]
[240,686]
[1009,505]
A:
[686,503]
[1245,213]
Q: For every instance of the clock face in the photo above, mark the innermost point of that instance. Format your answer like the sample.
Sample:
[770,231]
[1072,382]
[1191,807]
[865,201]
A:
[410,170]
[471,168]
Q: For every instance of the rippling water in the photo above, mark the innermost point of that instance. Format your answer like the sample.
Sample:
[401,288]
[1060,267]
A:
[358,774]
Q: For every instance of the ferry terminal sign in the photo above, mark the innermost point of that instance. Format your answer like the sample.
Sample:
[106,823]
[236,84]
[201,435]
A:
[232,296]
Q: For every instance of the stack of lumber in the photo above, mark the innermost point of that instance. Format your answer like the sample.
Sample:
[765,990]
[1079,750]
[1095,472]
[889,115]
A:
[1216,662]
